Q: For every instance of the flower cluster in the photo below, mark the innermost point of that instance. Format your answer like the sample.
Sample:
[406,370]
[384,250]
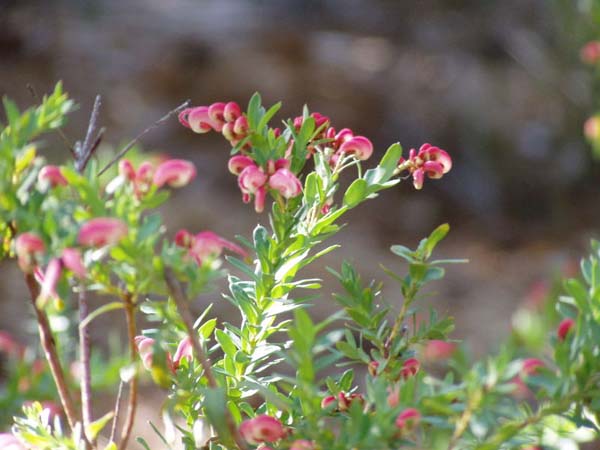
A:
[429,160]
[173,172]
[225,118]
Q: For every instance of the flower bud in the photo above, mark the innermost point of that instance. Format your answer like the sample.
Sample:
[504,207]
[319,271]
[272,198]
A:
[145,346]
[372,368]
[27,246]
[328,401]
[436,350]
[102,231]
[126,169]
[216,116]
[359,146]
[286,183]
[238,163]
[240,127]
[409,368]
[198,119]
[207,243]
[184,350]
[259,199]
[52,176]
[51,278]
[564,327]
[408,419]
[232,111]
[531,366]
[251,179]
[261,429]
[175,173]
[185,239]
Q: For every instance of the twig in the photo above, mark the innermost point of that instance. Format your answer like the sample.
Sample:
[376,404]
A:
[140,135]
[84,354]
[132,401]
[113,429]
[83,152]
[49,347]
[60,132]
[184,311]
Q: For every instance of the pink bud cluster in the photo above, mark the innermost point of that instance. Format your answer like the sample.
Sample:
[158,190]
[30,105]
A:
[341,402]
[344,142]
[429,160]
[225,118]
[173,172]
[408,419]
[262,429]
[409,368]
[256,181]
[145,347]
[205,244]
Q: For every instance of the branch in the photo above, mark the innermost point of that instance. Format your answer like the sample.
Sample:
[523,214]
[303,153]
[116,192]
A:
[113,429]
[132,401]
[84,355]
[83,152]
[50,352]
[184,311]
[131,143]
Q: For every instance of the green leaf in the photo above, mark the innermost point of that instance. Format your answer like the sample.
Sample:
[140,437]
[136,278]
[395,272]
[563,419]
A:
[434,238]
[227,344]
[390,159]
[254,111]
[98,312]
[268,116]
[97,425]
[355,193]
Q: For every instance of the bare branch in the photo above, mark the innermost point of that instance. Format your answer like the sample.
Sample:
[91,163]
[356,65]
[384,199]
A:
[83,152]
[142,134]
[113,429]
[132,402]
[84,355]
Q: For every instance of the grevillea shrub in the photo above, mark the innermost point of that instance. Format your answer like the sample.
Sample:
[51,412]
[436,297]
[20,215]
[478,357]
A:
[378,374]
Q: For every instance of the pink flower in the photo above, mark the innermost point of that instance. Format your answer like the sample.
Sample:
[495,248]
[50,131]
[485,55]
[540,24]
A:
[232,111]
[359,146]
[240,127]
[345,400]
[372,368]
[302,444]
[52,176]
[591,128]
[184,350]
[564,327]
[590,52]
[216,115]
[259,199]
[429,160]
[286,183]
[436,350]
[208,243]
[410,368]
[328,401]
[9,442]
[126,169]
[262,428]
[197,119]
[71,259]
[251,179]
[102,231]
[408,418]
[175,173]
[27,247]
[238,163]
[531,366]
[143,178]
[51,278]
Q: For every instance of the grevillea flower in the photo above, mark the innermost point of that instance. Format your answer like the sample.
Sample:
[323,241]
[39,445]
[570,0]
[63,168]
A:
[51,278]
[9,442]
[436,350]
[71,259]
[251,179]
[184,351]
[27,246]
[410,368]
[590,52]
[145,346]
[206,244]
[408,419]
[328,401]
[197,119]
[216,115]
[345,400]
[359,146]
[175,173]
[531,366]
[232,111]
[52,176]
[261,429]
[238,163]
[429,160]
[102,231]
[126,169]
[286,183]
[302,444]
[564,327]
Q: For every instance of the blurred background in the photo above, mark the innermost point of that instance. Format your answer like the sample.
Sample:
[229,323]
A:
[498,84]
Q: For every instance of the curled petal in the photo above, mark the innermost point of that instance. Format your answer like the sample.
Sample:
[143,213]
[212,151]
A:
[71,259]
[229,134]
[330,133]
[345,134]
[259,199]
[185,239]
[418,177]
[359,146]
[286,183]
[175,173]
[216,116]
[410,368]
[232,111]
[408,418]
[238,163]
[27,245]
[320,120]
[240,127]
[145,346]
[564,327]
[251,179]
[51,277]
[102,231]
[183,117]
[531,366]
[209,244]
[52,176]
[184,350]
[143,177]
[328,401]
[282,163]
[428,152]
[199,120]
[433,169]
